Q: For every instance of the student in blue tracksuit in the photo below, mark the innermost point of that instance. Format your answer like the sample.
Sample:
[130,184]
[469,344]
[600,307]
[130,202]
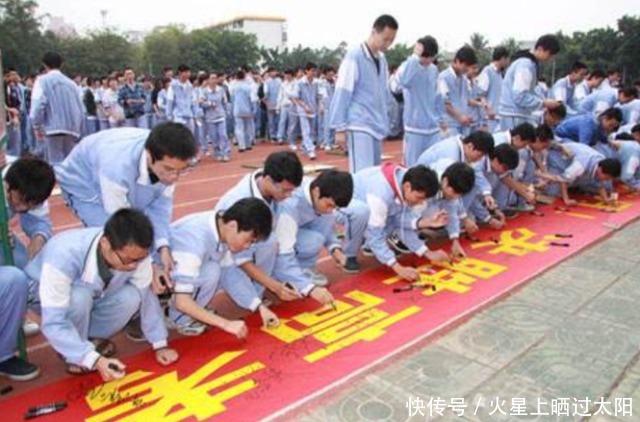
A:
[241,99]
[271,92]
[470,149]
[306,227]
[589,129]
[200,243]
[306,100]
[181,104]
[490,85]
[132,99]
[631,108]
[500,163]
[250,272]
[590,84]
[128,167]
[628,151]
[514,193]
[327,91]
[213,103]
[452,86]
[359,107]
[56,110]
[389,198]
[564,88]
[89,283]
[14,288]
[599,101]
[418,77]
[584,168]
[456,179]
[518,99]
[28,182]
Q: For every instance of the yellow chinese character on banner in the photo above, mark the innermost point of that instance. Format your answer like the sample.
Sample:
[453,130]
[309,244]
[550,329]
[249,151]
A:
[167,398]
[514,242]
[603,206]
[455,277]
[341,328]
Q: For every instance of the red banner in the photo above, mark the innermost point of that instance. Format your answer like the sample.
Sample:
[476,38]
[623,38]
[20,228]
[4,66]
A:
[315,348]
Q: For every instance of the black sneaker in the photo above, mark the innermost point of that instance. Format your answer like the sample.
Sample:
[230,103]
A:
[397,244]
[18,370]
[133,330]
[352,266]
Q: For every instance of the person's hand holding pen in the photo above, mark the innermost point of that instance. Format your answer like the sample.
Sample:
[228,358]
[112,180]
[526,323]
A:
[408,273]
[110,369]
[323,296]
[269,318]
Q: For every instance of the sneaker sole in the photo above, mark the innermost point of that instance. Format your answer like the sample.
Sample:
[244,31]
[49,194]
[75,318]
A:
[26,377]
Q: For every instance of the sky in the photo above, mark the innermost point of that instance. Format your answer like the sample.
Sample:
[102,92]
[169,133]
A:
[328,22]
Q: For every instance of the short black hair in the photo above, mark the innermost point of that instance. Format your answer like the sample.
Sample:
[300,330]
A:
[171,139]
[422,179]
[252,215]
[525,131]
[613,71]
[549,42]
[429,46]
[52,60]
[310,66]
[129,226]
[624,136]
[461,177]
[240,74]
[385,21]
[544,133]
[611,167]
[284,165]
[482,141]
[636,128]
[597,73]
[559,111]
[499,53]
[577,66]
[183,68]
[466,55]
[335,184]
[629,91]
[612,113]
[506,155]
[32,178]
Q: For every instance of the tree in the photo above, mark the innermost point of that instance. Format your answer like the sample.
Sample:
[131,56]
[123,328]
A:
[481,46]
[628,51]
[166,46]
[20,37]
[212,49]
[398,53]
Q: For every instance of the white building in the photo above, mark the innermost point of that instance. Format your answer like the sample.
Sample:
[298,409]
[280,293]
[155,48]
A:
[271,32]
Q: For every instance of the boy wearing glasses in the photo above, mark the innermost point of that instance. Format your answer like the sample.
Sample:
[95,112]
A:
[89,283]
[128,168]
[200,243]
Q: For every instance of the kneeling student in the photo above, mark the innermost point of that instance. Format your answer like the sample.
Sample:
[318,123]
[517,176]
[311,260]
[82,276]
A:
[201,243]
[90,283]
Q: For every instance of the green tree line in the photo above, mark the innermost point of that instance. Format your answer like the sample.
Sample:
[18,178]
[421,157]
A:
[23,42]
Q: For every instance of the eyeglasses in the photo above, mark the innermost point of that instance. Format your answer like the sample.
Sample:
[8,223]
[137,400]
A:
[128,261]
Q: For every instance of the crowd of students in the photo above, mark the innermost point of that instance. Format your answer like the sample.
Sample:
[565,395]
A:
[478,150]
